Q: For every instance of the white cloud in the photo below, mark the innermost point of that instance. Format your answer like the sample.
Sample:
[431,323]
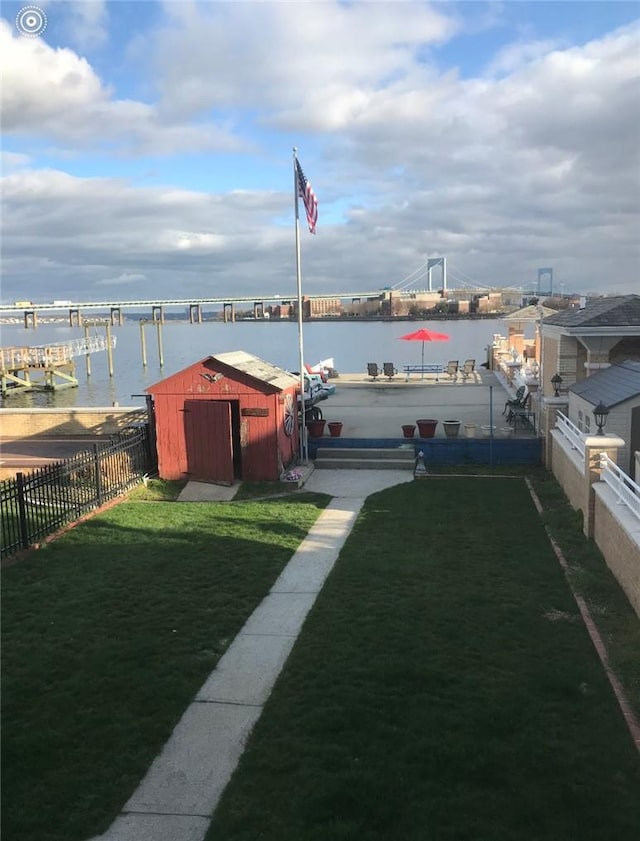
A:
[535,164]
[56,94]
[13,160]
[87,21]
[279,55]
[123,279]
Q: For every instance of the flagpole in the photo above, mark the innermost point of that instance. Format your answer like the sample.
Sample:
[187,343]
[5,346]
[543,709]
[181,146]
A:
[303,426]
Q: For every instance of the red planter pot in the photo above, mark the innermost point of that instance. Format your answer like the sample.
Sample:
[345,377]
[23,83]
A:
[335,428]
[315,428]
[408,430]
[427,427]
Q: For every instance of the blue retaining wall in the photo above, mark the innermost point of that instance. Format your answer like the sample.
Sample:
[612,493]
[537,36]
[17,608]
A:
[447,450]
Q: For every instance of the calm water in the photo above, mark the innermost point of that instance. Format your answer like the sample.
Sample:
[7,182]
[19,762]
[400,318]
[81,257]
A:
[351,346]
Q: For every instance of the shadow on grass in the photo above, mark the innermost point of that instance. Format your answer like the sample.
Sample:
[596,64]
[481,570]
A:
[107,635]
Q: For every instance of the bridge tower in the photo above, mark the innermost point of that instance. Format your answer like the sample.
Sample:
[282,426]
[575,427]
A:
[431,264]
[545,289]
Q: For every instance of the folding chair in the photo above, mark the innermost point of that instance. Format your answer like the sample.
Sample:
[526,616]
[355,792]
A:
[452,368]
[468,368]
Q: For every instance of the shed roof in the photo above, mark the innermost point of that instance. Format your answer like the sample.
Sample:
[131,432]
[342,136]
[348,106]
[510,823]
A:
[617,311]
[263,373]
[530,313]
[612,385]
[257,368]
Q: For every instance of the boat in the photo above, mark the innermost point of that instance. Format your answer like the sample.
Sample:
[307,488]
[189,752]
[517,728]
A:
[325,368]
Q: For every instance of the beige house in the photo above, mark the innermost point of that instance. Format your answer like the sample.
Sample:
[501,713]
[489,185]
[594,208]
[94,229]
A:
[581,340]
[618,388]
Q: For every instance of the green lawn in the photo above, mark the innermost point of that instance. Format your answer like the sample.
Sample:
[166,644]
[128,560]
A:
[443,687]
[107,635]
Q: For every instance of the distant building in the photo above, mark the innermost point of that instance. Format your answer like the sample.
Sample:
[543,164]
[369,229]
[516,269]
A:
[492,302]
[319,308]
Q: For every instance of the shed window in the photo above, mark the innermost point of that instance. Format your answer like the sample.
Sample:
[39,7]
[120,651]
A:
[587,423]
[580,419]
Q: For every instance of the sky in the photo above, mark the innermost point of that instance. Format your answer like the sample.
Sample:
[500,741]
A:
[147,147]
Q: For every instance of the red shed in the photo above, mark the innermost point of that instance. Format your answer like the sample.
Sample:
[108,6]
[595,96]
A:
[229,416]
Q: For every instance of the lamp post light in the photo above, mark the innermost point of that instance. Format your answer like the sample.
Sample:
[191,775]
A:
[556,381]
[600,413]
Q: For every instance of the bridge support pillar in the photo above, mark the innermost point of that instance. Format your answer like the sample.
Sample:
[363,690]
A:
[75,318]
[258,309]
[195,314]
[228,313]
[30,319]
[157,313]
[116,317]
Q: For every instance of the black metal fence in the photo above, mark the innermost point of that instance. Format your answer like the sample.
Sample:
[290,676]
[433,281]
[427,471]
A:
[34,505]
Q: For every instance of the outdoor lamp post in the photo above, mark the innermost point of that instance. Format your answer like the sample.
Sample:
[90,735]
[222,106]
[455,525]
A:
[600,413]
[556,381]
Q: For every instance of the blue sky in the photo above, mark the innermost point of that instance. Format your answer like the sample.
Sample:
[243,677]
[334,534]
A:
[147,146]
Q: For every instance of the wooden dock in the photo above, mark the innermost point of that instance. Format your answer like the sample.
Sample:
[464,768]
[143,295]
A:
[47,367]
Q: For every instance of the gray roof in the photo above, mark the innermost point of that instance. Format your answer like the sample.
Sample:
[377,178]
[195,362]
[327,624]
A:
[257,368]
[612,385]
[617,311]
[530,313]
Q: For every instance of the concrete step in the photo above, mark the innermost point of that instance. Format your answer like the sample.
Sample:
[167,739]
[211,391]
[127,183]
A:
[364,459]
[360,464]
[365,454]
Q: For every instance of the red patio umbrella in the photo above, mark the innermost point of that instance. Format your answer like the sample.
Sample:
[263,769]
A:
[423,336]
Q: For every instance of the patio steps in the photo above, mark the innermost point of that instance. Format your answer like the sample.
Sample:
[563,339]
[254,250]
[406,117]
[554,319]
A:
[364,459]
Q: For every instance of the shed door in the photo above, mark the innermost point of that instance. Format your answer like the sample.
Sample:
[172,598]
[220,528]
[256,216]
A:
[208,440]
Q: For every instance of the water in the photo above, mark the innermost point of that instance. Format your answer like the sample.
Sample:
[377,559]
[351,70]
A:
[350,344]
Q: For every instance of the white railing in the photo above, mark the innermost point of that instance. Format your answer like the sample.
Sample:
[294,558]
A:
[623,486]
[56,353]
[570,431]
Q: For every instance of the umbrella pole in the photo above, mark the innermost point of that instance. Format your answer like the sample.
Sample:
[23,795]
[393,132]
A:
[422,372]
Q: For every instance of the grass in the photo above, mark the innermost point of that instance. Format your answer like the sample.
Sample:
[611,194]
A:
[253,490]
[107,635]
[591,578]
[443,687]
[157,490]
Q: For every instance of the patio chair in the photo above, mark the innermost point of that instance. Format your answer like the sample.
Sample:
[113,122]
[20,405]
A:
[517,402]
[468,368]
[373,370]
[389,370]
[522,413]
[452,368]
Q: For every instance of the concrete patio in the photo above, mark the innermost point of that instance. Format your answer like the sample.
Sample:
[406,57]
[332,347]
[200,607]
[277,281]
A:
[379,408]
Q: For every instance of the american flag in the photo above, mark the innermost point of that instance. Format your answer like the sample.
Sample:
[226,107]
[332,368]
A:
[305,191]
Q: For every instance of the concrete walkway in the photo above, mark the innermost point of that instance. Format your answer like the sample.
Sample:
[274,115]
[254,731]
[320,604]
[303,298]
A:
[176,799]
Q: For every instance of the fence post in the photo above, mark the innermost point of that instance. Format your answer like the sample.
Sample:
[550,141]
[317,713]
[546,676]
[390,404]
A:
[550,406]
[96,459]
[22,511]
[594,445]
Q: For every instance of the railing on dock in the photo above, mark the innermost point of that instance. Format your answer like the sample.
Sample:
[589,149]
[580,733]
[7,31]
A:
[57,353]
[570,431]
[34,505]
[626,490]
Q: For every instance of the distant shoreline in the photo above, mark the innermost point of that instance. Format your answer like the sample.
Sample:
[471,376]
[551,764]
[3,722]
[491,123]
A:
[356,319]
